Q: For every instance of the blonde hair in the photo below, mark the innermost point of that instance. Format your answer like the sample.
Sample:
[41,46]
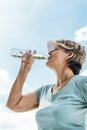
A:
[75,63]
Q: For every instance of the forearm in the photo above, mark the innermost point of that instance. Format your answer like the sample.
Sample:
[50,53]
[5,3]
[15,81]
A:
[16,91]
[16,100]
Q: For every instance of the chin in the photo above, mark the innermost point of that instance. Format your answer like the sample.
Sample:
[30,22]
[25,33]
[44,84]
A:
[48,65]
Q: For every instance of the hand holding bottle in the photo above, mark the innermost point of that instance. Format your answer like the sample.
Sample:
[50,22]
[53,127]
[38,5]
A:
[27,60]
[27,57]
[17,52]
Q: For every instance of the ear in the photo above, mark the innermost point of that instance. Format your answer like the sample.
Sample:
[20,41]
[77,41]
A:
[69,55]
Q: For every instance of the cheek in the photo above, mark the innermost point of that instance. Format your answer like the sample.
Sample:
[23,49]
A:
[56,59]
[60,60]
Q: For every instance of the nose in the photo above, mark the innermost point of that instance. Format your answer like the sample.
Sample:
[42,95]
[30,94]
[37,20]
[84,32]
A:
[50,52]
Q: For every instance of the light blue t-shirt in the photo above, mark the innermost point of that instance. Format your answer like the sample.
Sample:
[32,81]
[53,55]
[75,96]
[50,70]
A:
[65,109]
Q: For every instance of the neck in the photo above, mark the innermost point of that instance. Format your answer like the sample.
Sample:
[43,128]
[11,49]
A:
[62,80]
[64,77]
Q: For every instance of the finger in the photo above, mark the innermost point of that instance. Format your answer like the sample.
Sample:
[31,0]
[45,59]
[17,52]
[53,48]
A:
[28,54]
[34,52]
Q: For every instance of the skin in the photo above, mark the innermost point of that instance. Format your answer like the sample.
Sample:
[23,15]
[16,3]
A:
[56,61]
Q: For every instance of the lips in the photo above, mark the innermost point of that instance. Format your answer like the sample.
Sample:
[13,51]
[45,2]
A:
[49,57]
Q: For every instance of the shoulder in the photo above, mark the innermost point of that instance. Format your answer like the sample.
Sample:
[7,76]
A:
[80,87]
[81,80]
[80,83]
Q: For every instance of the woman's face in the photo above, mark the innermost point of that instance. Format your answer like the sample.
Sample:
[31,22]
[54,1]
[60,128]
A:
[57,59]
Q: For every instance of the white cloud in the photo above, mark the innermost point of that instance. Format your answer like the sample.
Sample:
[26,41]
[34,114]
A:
[3,75]
[17,121]
[11,120]
[81,34]
[84,73]
[5,82]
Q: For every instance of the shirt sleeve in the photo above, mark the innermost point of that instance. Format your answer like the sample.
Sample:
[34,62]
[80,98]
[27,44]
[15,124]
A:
[38,93]
[41,91]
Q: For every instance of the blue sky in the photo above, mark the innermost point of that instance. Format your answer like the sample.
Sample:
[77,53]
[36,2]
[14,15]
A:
[29,24]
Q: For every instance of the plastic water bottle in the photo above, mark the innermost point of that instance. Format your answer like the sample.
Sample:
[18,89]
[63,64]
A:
[17,52]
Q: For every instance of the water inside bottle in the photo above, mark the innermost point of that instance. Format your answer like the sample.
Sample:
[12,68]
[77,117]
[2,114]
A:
[17,52]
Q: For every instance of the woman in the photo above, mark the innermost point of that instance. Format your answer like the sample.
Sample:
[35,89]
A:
[62,105]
